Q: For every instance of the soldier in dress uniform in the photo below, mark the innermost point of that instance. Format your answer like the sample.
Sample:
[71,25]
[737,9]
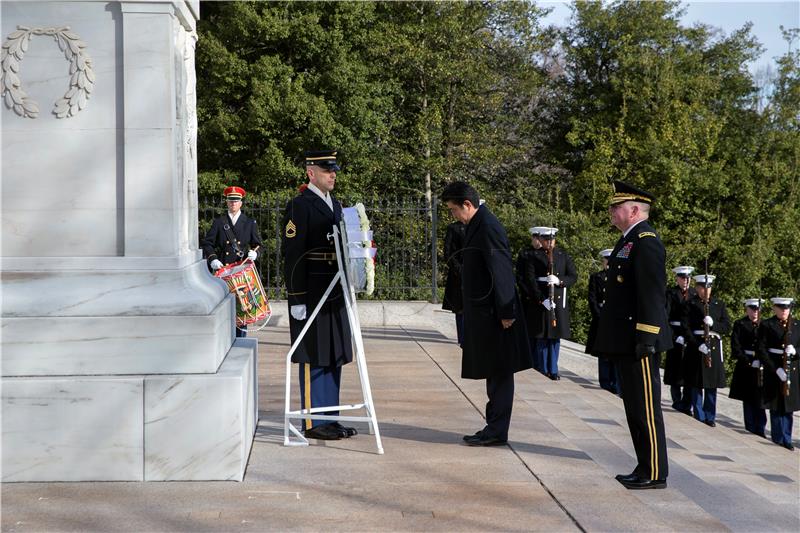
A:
[452,301]
[527,290]
[704,362]
[607,372]
[748,375]
[231,237]
[543,311]
[309,266]
[633,329]
[778,337]
[678,298]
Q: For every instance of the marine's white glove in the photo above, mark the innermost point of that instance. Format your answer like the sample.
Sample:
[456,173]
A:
[680,340]
[790,349]
[547,304]
[216,264]
[703,349]
[252,254]
[756,363]
[781,374]
[552,279]
[299,312]
[708,321]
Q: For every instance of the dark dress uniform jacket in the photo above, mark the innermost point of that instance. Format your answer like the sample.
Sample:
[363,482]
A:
[635,310]
[771,334]
[490,295]
[597,297]
[309,266]
[533,266]
[217,245]
[696,373]
[453,243]
[677,313]
[744,382]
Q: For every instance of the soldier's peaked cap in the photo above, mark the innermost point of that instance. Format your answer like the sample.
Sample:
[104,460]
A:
[683,270]
[548,233]
[321,158]
[536,230]
[782,302]
[753,302]
[705,279]
[234,193]
[627,193]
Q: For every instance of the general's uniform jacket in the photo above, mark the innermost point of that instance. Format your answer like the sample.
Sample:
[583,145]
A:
[597,297]
[533,266]
[771,335]
[677,312]
[217,245]
[635,308]
[695,372]
[309,266]
[453,243]
[744,382]
[490,295]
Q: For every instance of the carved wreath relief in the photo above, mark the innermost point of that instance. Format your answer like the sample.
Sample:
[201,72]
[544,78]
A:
[81,80]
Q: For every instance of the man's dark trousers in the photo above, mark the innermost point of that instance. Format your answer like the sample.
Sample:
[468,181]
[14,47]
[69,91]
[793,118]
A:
[641,396]
[500,390]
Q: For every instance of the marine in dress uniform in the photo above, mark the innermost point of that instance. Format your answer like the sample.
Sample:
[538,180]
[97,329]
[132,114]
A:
[778,337]
[633,329]
[495,338]
[704,362]
[539,312]
[527,292]
[453,243]
[748,374]
[231,237]
[310,264]
[607,373]
[678,298]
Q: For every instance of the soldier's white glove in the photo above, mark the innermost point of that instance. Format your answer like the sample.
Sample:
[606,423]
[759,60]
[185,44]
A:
[703,349]
[708,321]
[781,374]
[299,312]
[216,264]
[756,363]
[552,279]
[251,255]
[790,350]
[547,304]
[680,340]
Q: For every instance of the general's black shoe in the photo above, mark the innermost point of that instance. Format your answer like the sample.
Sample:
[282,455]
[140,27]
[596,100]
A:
[349,432]
[630,477]
[710,423]
[484,440]
[642,484]
[326,432]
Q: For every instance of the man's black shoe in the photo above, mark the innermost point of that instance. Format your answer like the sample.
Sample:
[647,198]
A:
[641,484]
[630,477]
[788,446]
[477,434]
[349,432]
[554,377]
[710,423]
[326,432]
[483,440]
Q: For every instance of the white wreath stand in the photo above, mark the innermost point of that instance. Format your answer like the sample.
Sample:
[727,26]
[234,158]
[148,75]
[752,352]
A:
[289,429]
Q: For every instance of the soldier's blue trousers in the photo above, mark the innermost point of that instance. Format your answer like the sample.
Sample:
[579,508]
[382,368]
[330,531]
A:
[755,418]
[781,430]
[608,375]
[704,406]
[547,354]
[319,387]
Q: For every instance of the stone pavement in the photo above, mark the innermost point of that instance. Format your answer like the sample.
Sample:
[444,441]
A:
[568,439]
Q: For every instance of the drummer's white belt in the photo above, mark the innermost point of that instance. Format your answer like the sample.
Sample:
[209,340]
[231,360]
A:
[749,352]
[775,350]
[674,323]
[711,333]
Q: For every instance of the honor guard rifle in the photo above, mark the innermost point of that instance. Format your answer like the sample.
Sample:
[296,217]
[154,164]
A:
[552,287]
[786,359]
[706,327]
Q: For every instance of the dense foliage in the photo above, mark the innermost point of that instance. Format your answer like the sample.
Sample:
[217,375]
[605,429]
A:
[539,119]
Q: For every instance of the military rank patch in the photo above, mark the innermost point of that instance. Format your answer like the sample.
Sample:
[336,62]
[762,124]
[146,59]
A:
[625,251]
[291,230]
[647,234]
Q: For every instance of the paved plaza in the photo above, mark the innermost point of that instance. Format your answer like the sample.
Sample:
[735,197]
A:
[568,439]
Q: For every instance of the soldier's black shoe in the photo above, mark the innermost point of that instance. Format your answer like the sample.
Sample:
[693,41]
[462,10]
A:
[477,434]
[788,446]
[554,377]
[710,423]
[630,477]
[484,440]
[350,432]
[326,432]
[641,484]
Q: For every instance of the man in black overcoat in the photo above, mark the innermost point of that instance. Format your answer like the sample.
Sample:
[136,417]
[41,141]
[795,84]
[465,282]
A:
[231,237]
[607,373]
[495,340]
[678,297]
[453,243]
[633,330]
[748,374]
[703,360]
[309,266]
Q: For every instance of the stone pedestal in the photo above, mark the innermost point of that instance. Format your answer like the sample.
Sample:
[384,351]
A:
[118,355]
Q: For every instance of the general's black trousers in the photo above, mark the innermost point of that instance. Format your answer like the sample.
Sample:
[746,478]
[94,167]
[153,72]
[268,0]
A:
[641,395]
[319,387]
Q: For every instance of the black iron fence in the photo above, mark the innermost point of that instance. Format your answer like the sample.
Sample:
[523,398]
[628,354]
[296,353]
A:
[407,234]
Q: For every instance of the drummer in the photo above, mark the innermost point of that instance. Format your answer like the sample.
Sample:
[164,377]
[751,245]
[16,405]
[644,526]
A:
[232,237]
